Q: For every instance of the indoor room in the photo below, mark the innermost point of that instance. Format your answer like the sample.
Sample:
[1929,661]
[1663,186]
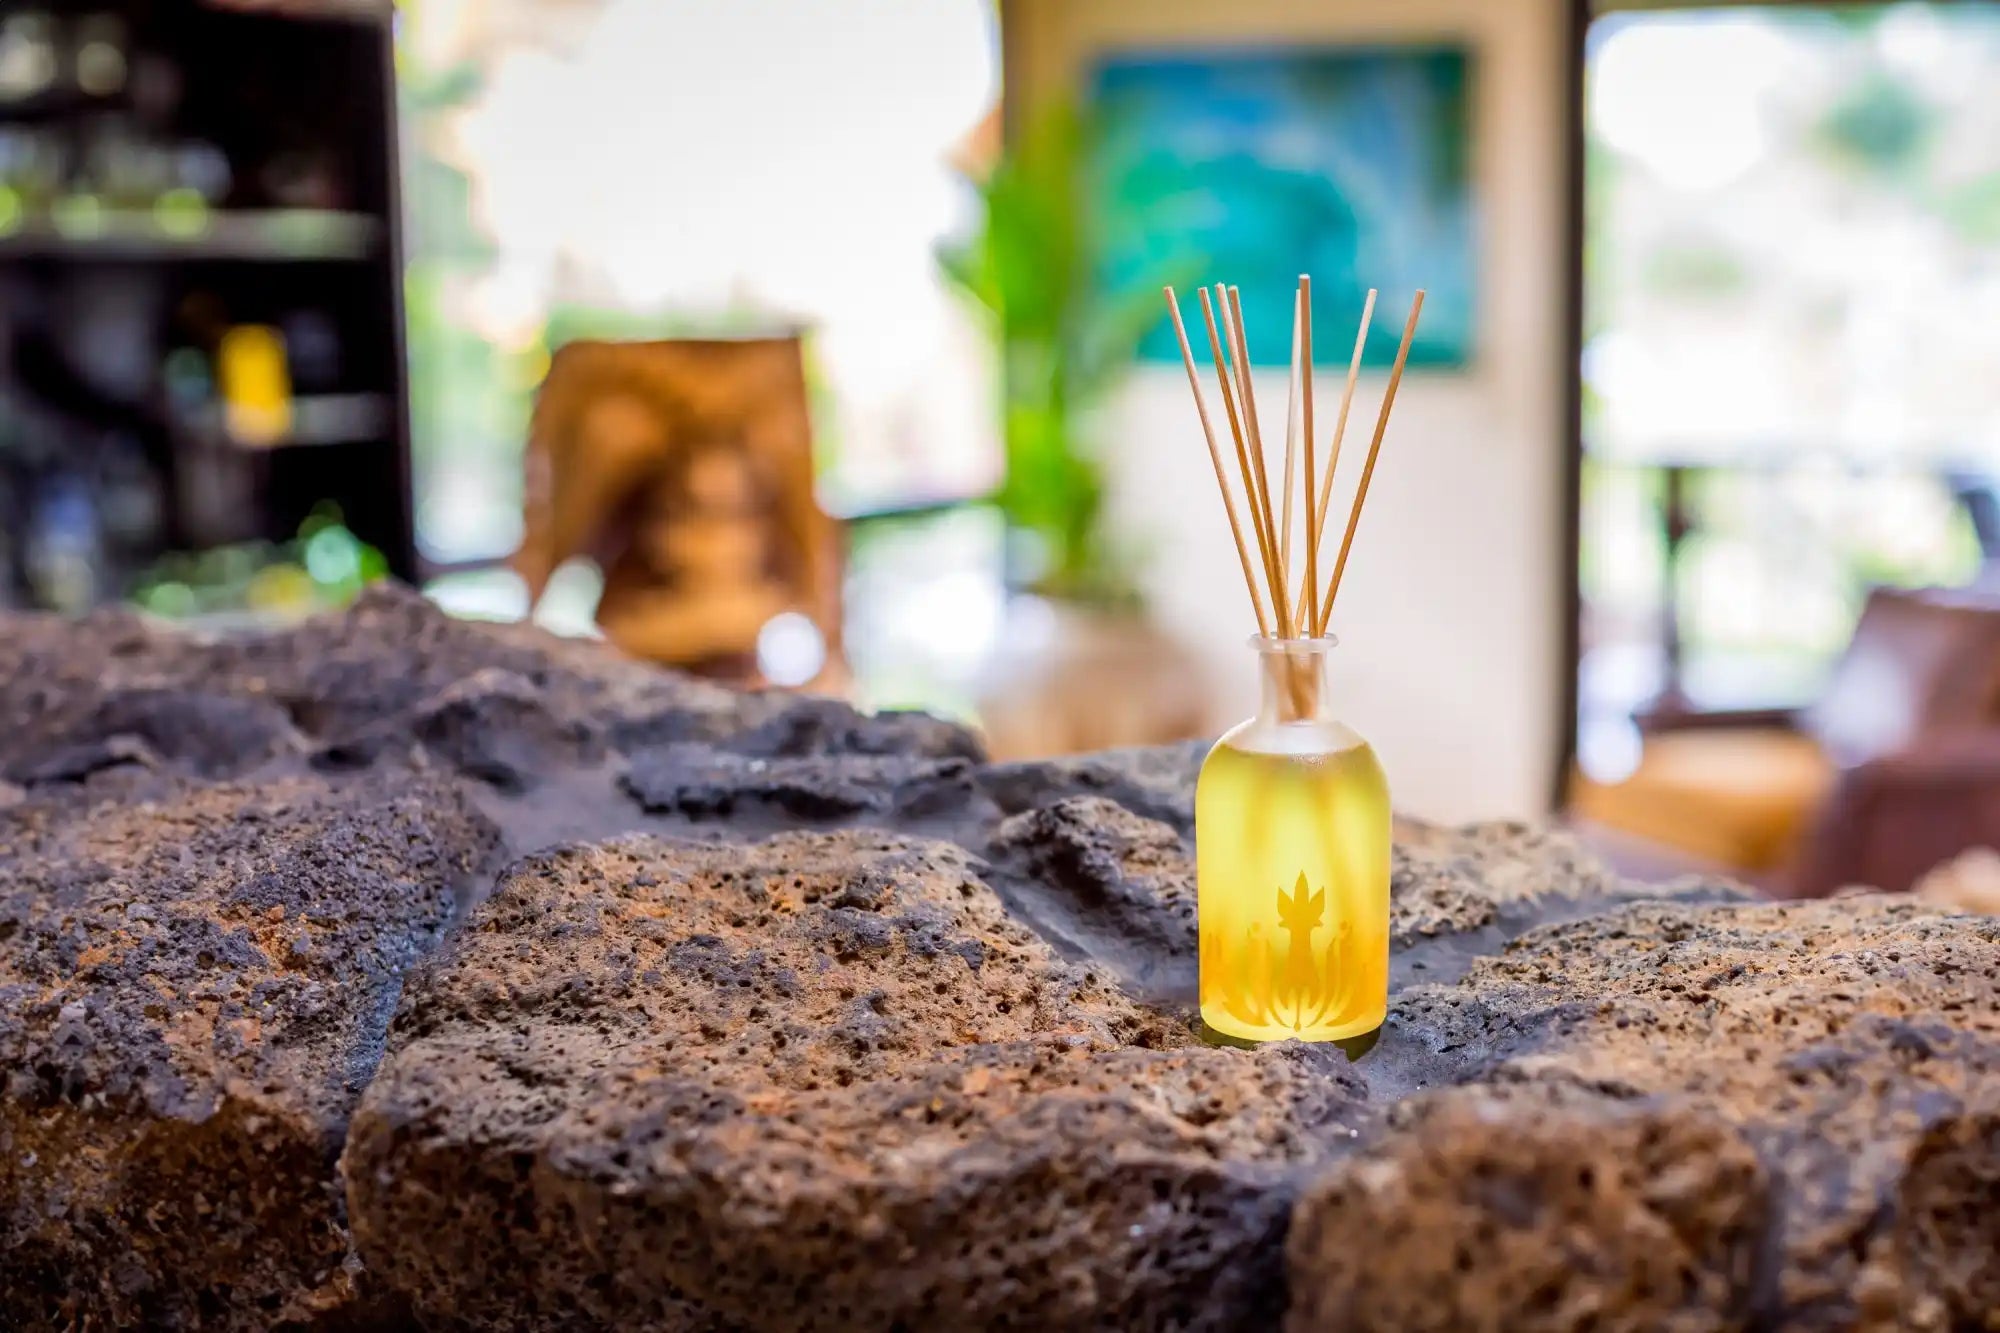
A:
[961,664]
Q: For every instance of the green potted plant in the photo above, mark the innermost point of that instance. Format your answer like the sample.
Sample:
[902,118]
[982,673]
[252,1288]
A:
[1096,672]
[1062,342]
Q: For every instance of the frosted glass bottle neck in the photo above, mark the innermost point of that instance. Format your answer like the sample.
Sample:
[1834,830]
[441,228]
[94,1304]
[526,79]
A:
[1293,677]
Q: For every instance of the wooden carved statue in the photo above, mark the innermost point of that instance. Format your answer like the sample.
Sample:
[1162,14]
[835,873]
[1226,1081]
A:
[685,467]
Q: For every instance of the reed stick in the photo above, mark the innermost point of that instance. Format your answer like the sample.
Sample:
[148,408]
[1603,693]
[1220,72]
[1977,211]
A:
[1339,432]
[1215,457]
[1222,375]
[1229,348]
[1309,595]
[1279,593]
[1374,449]
[1291,449]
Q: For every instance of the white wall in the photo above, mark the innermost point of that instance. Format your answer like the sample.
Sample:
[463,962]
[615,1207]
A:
[1450,615]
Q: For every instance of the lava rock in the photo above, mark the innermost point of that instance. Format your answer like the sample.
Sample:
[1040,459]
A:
[502,703]
[211,735]
[1454,881]
[853,1080]
[703,782]
[1542,1209]
[1946,1230]
[1836,1036]
[59,678]
[822,1082]
[79,761]
[801,725]
[195,982]
[1445,881]
[390,657]
[1112,883]
[1154,781]
[493,726]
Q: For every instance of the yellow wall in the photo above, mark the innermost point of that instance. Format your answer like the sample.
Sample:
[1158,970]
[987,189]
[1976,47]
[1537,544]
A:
[1451,613]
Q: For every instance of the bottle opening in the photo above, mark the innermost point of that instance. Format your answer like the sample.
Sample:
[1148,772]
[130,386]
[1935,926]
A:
[1271,643]
[1294,672]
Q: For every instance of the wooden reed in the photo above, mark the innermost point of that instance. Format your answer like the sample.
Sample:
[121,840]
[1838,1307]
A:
[1215,457]
[1291,450]
[1309,594]
[1236,431]
[1280,594]
[1229,347]
[1339,433]
[1374,448]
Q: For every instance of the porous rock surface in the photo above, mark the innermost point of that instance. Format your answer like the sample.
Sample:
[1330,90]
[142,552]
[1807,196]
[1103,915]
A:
[703,781]
[1842,1038]
[782,1016]
[1156,782]
[195,982]
[1119,888]
[831,1084]
[1535,1207]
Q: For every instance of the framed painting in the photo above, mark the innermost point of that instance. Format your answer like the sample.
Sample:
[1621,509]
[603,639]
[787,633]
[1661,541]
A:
[1350,163]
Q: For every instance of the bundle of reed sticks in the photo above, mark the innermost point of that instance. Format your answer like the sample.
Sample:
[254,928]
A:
[1302,614]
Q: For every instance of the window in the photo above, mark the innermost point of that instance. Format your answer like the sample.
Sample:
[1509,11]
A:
[1792,311]
[641,168]
[647,168]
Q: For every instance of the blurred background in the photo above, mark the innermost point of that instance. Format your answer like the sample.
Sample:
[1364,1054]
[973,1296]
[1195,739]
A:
[820,345]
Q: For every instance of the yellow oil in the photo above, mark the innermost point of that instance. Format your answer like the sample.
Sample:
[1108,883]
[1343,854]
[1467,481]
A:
[1292,857]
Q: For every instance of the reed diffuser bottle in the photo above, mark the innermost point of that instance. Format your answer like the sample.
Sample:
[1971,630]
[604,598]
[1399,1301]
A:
[1292,821]
[1292,852]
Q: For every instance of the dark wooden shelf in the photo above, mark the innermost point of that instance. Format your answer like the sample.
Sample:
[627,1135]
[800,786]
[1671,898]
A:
[317,419]
[305,89]
[248,236]
[326,11]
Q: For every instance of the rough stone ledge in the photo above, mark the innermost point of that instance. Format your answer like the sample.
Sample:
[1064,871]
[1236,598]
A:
[816,1082]
[941,1070]
[1845,1040]
[195,983]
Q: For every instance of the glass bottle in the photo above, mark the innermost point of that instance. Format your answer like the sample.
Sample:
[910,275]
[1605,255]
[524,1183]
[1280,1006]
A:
[1292,864]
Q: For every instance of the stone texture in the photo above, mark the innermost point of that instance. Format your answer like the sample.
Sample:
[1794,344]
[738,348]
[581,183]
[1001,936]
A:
[704,782]
[1447,881]
[1156,781]
[213,735]
[817,1082]
[1534,1209]
[1946,1230]
[388,676]
[779,726]
[858,1079]
[194,986]
[1108,883]
[493,725]
[393,659]
[1837,1036]
[1454,881]
[56,676]
[816,759]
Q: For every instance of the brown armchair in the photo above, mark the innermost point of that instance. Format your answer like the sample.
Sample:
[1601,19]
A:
[1894,770]
[1890,820]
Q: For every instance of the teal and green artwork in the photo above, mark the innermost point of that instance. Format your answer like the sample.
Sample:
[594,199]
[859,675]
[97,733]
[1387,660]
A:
[1253,167]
